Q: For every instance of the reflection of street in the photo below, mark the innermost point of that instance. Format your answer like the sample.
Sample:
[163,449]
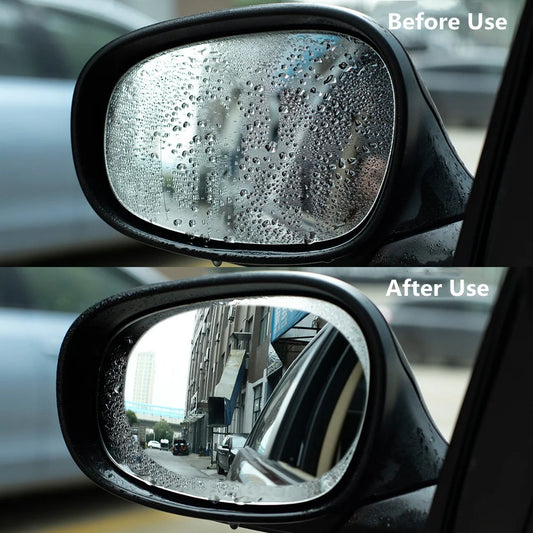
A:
[187,465]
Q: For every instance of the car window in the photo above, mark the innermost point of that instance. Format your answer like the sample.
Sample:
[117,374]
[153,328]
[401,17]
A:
[69,290]
[78,36]
[314,383]
[16,58]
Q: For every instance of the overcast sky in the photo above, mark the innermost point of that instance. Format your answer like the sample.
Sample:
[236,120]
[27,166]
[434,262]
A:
[170,341]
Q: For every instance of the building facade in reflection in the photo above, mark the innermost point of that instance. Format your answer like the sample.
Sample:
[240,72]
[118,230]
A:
[238,355]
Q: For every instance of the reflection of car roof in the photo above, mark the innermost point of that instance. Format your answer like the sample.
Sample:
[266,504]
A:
[113,12]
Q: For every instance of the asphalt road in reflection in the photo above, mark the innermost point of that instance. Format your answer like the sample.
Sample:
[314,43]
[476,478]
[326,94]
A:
[90,510]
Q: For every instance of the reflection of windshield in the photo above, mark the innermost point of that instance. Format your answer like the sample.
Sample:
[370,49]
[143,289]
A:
[316,411]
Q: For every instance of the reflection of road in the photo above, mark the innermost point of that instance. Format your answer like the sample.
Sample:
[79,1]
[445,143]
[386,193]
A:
[92,510]
[187,465]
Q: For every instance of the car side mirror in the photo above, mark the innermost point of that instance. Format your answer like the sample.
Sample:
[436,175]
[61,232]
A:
[306,364]
[272,135]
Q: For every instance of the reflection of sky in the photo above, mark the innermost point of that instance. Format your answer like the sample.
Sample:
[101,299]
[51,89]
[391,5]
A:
[170,341]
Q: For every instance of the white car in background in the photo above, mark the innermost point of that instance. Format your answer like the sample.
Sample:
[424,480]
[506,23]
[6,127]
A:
[37,306]
[44,44]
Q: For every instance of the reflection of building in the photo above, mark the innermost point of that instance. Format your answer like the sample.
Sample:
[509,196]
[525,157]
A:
[143,387]
[238,356]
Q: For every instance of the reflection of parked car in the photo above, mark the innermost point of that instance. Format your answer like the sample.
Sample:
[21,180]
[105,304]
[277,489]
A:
[279,449]
[180,447]
[37,307]
[43,46]
[439,330]
[154,444]
[227,451]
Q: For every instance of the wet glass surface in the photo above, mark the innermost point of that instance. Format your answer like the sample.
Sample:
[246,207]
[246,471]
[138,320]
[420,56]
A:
[278,139]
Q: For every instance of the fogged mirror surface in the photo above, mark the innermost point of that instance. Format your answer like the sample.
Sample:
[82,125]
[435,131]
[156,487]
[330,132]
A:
[277,138]
[258,400]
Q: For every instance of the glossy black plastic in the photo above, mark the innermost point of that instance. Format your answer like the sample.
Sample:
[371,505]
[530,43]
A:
[426,186]
[400,451]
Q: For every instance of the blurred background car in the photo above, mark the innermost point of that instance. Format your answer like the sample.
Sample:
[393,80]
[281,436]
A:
[462,69]
[227,451]
[37,306]
[463,86]
[440,331]
[154,444]
[180,447]
[44,44]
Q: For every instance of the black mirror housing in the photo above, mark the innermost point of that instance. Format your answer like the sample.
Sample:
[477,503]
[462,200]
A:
[425,188]
[399,453]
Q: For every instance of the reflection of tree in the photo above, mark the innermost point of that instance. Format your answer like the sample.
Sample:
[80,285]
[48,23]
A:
[132,418]
[162,430]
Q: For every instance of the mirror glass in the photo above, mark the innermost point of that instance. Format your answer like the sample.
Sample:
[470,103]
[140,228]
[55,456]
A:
[259,400]
[266,139]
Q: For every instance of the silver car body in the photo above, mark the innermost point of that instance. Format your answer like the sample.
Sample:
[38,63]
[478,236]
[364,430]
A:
[33,454]
[42,208]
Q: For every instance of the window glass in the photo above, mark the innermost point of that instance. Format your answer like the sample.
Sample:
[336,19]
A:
[258,396]
[16,58]
[78,36]
[238,441]
[69,290]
